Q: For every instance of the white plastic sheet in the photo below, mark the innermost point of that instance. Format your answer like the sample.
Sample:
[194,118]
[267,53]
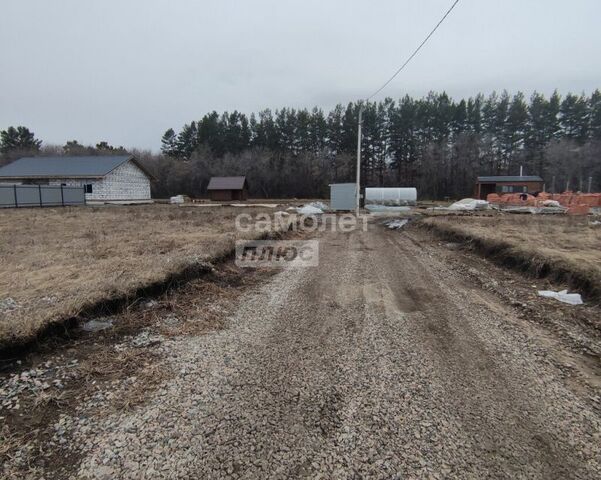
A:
[469,204]
[320,205]
[314,208]
[563,296]
[309,210]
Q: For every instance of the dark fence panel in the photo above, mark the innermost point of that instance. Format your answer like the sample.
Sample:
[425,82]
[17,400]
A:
[28,195]
[7,196]
[40,196]
[51,197]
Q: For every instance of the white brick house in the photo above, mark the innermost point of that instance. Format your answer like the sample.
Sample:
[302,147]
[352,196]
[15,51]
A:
[105,178]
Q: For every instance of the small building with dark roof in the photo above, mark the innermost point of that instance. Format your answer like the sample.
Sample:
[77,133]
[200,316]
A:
[501,184]
[224,189]
[105,178]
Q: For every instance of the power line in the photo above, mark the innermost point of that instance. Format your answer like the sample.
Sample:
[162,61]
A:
[414,53]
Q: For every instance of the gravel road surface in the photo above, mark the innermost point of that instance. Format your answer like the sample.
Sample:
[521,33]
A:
[383,362]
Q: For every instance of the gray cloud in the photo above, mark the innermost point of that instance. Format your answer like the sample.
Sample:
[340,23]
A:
[125,71]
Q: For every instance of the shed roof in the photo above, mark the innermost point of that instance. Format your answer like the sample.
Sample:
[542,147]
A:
[226,183]
[509,178]
[91,166]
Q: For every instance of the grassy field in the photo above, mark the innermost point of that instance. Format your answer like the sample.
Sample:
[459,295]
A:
[55,262]
[567,248]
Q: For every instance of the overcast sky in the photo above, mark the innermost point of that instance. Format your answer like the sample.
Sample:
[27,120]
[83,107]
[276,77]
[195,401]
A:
[126,70]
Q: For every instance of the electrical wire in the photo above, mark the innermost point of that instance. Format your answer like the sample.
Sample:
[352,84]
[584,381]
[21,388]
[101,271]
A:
[414,53]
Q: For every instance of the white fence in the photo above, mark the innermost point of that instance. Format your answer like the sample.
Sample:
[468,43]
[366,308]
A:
[40,196]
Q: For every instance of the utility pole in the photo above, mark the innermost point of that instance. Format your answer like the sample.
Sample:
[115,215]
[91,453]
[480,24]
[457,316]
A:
[358,204]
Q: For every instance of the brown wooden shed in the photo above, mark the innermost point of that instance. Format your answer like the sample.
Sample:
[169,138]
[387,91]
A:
[223,189]
[508,184]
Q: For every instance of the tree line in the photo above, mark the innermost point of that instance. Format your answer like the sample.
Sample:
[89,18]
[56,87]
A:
[434,143]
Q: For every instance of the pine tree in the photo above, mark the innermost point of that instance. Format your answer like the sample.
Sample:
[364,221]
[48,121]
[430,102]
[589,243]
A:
[459,121]
[553,123]
[350,121]
[335,145]
[538,132]
[595,115]
[265,133]
[169,143]
[514,131]
[187,141]
[318,130]
[474,114]
[303,131]
[404,139]
[574,117]
[18,140]
[210,133]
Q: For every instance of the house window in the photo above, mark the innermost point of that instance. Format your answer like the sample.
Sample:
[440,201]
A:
[88,188]
[514,189]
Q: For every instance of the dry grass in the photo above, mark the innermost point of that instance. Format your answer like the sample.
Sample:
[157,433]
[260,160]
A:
[565,248]
[56,262]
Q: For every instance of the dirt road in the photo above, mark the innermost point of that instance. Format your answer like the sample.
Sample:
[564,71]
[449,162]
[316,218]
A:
[383,362]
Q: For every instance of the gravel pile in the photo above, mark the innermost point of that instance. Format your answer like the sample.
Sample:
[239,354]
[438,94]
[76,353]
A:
[381,363]
[42,379]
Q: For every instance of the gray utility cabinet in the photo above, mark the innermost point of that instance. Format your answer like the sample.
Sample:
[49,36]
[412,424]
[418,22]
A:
[343,196]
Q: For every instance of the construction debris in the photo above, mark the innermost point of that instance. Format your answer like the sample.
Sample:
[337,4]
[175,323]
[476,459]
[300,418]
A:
[534,210]
[396,224]
[563,296]
[309,210]
[567,202]
[468,204]
[314,208]
[320,205]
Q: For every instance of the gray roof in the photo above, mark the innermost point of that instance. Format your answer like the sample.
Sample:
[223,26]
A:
[226,183]
[509,178]
[91,166]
